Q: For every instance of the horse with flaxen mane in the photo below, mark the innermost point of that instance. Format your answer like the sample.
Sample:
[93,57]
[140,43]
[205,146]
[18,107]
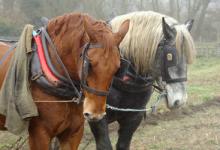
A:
[159,49]
[88,56]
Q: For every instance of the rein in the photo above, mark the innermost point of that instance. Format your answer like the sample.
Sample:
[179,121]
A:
[53,47]
[7,53]
[8,41]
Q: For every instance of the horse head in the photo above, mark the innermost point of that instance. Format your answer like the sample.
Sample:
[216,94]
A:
[158,46]
[172,52]
[89,50]
[104,61]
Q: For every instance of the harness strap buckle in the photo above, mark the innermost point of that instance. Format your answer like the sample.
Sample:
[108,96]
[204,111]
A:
[37,76]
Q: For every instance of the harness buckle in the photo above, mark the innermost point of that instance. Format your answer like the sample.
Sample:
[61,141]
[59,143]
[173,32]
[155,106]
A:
[37,76]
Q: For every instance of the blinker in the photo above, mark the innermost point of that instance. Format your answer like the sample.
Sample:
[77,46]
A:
[169,60]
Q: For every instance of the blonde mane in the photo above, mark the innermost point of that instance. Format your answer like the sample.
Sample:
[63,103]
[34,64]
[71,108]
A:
[145,33]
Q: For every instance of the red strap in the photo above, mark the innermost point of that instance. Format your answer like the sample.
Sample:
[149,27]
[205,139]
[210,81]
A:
[45,68]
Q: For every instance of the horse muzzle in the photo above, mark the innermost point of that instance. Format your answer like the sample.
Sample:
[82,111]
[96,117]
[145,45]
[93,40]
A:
[176,95]
[91,117]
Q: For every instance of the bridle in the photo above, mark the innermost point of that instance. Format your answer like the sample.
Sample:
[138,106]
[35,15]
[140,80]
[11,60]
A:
[86,66]
[168,59]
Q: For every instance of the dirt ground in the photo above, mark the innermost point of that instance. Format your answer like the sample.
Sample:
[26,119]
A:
[190,128]
[194,127]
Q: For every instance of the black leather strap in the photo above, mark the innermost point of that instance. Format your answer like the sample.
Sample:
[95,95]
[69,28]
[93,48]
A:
[136,84]
[130,86]
[176,80]
[51,66]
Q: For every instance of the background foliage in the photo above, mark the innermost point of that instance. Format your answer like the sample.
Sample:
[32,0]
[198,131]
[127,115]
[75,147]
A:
[15,13]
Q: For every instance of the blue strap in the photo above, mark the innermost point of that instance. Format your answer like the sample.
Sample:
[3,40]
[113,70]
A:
[7,53]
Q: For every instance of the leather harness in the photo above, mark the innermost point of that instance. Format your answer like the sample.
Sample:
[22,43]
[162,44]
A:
[65,87]
[128,80]
[52,81]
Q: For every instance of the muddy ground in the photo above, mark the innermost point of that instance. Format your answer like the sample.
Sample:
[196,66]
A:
[195,127]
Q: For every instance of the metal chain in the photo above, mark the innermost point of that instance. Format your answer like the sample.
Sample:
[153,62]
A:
[126,109]
[152,108]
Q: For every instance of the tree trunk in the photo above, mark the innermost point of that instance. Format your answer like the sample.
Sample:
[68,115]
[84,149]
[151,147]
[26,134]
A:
[201,18]
[155,5]
[178,10]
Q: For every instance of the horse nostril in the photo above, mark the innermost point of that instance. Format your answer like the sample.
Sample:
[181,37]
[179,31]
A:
[93,117]
[176,103]
[86,115]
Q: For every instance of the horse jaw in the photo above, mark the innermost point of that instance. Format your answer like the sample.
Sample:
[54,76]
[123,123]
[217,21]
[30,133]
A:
[176,95]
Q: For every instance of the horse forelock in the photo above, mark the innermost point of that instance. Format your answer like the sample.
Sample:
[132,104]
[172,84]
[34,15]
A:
[184,43]
[145,33]
[102,34]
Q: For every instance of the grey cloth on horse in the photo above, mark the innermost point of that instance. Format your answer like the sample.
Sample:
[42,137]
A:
[16,101]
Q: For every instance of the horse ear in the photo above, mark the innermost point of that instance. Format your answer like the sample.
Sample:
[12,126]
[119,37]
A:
[168,32]
[189,24]
[89,30]
[122,32]
[44,21]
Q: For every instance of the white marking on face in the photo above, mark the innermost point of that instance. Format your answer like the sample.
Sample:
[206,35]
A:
[176,94]
[89,111]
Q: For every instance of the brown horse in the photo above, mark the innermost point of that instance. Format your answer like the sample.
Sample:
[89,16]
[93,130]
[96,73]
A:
[69,34]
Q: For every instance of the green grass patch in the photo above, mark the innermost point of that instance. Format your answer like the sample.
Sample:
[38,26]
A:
[204,79]
[201,93]
[204,67]
[4,146]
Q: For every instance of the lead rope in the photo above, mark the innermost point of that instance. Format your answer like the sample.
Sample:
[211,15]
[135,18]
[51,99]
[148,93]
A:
[152,108]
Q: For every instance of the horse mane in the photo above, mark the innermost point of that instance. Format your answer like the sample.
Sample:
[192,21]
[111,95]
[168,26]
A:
[75,23]
[145,33]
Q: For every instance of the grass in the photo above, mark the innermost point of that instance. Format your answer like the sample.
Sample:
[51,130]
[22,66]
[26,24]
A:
[204,80]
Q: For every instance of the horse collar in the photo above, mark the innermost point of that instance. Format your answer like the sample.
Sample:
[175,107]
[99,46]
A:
[44,73]
[47,76]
